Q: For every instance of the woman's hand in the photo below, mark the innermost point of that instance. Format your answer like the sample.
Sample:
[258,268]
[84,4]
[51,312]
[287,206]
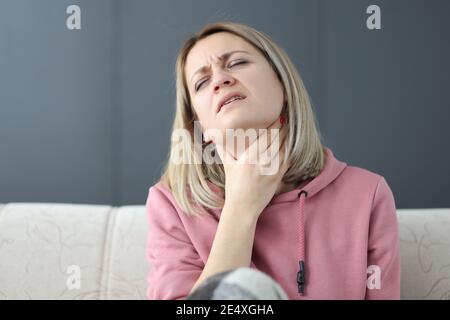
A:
[252,180]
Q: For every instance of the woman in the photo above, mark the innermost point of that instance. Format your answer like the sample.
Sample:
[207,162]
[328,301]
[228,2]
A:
[318,227]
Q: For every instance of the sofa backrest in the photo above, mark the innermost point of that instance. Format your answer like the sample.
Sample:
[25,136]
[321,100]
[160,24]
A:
[425,253]
[75,251]
[44,248]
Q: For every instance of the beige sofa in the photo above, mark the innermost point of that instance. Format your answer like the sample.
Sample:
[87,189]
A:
[72,251]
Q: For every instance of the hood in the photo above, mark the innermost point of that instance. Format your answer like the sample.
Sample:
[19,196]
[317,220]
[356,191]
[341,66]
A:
[332,169]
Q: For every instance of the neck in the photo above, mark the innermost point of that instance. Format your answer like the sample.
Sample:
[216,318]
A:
[283,188]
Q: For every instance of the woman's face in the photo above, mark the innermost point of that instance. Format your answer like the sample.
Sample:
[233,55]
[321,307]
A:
[245,72]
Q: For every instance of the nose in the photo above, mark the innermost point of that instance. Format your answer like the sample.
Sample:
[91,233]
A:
[222,79]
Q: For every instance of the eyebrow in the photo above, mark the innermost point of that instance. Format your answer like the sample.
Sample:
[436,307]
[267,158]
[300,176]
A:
[225,56]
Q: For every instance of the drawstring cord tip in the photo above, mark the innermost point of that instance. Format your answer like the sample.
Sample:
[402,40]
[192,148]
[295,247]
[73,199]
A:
[301,277]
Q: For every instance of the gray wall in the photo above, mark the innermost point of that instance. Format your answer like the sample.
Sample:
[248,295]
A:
[85,115]
[55,103]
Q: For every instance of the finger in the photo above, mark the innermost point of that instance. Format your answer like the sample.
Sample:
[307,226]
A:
[277,160]
[271,133]
[224,155]
[263,135]
[259,144]
[276,154]
[278,137]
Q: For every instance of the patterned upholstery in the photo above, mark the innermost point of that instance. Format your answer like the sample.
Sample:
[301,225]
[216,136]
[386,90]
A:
[41,244]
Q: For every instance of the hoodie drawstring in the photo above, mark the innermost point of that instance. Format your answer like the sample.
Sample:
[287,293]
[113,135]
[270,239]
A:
[301,273]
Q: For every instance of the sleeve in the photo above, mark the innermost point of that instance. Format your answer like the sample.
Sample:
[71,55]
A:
[383,256]
[175,264]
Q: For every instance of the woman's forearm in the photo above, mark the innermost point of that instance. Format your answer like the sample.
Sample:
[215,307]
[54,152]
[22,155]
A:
[233,243]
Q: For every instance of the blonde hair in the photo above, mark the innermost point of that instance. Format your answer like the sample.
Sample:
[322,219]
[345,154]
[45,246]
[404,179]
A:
[190,182]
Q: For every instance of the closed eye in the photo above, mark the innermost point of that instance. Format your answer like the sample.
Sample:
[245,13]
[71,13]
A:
[230,66]
[199,85]
[237,63]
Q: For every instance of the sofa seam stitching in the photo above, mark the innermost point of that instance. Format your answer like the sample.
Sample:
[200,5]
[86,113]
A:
[107,248]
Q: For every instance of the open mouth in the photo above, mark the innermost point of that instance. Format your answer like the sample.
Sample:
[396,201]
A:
[232,102]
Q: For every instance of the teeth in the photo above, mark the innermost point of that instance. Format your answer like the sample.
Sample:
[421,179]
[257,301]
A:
[232,99]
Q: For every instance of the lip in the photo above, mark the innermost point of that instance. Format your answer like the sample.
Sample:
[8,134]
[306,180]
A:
[228,96]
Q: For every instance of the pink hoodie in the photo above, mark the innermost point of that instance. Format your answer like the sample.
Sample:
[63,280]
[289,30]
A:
[341,227]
